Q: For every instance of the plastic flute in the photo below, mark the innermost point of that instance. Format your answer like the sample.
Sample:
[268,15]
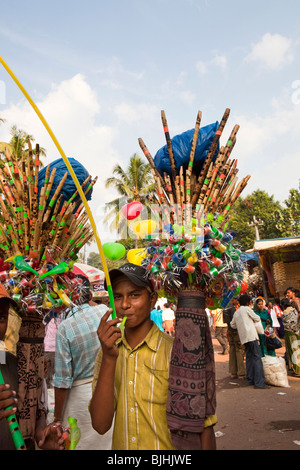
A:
[14,426]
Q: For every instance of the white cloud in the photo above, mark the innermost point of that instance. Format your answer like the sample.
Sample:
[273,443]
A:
[188,97]
[201,67]
[268,148]
[272,51]
[71,110]
[133,113]
[218,60]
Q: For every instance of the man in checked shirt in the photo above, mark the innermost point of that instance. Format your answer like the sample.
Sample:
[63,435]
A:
[131,378]
[77,345]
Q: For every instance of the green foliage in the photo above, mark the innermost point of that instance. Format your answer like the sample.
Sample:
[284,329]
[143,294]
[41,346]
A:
[288,218]
[135,183]
[260,205]
[19,144]
[94,260]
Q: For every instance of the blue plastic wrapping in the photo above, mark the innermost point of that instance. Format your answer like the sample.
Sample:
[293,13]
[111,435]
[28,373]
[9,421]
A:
[182,144]
[69,187]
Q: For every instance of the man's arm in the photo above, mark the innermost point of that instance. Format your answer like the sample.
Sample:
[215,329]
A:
[233,323]
[60,395]
[63,377]
[102,402]
[253,315]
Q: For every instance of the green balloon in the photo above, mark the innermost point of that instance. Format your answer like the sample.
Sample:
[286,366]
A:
[114,251]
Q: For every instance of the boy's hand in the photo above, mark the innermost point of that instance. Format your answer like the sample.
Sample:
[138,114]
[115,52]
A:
[108,333]
[7,398]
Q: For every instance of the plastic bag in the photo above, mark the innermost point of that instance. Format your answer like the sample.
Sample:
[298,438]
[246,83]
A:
[181,145]
[69,188]
[275,371]
[272,342]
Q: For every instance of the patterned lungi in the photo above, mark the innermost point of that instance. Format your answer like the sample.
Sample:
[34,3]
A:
[192,390]
[30,353]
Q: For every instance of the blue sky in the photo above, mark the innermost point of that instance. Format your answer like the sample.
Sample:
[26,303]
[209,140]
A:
[101,72]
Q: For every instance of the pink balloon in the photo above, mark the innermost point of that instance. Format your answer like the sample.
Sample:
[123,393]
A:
[132,210]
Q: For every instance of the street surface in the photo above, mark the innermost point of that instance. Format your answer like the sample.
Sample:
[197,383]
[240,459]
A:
[252,419]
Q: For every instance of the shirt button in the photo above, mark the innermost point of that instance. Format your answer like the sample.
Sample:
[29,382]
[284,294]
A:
[131,409]
[131,355]
[133,439]
[130,382]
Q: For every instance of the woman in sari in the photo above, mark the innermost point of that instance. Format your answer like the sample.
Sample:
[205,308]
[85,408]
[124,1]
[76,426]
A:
[261,310]
[290,319]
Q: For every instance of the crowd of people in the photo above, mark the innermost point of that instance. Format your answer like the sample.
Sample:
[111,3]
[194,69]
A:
[245,327]
[164,317]
[116,384]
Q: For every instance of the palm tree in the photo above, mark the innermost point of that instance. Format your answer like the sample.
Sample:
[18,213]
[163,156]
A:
[19,144]
[134,184]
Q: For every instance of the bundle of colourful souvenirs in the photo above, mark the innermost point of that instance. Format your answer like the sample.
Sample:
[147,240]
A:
[197,184]
[43,226]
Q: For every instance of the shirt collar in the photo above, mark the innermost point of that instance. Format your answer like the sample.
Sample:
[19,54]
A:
[77,308]
[151,339]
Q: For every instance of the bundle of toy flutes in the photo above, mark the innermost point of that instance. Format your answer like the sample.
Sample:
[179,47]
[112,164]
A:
[193,249]
[41,233]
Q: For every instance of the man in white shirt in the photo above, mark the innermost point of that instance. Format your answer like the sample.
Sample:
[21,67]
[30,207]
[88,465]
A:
[244,320]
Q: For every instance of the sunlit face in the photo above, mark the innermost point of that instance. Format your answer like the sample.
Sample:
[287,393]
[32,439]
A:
[289,294]
[132,301]
[260,305]
[4,309]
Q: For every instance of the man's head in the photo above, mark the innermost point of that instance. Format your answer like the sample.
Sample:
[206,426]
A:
[5,303]
[290,293]
[136,274]
[134,296]
[284,303]
[244,300]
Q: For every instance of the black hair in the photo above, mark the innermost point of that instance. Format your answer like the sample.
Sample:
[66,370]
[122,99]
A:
[292,289]
[244,300]
[285,303]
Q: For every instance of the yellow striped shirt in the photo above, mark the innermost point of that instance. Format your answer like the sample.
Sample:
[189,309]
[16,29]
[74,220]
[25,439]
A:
[141,389]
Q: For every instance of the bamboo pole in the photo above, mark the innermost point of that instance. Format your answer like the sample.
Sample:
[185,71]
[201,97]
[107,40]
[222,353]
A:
[169,145]
[209,157]
[151,162]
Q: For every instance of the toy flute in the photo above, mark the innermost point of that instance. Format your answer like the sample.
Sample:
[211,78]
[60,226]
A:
[14,426]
